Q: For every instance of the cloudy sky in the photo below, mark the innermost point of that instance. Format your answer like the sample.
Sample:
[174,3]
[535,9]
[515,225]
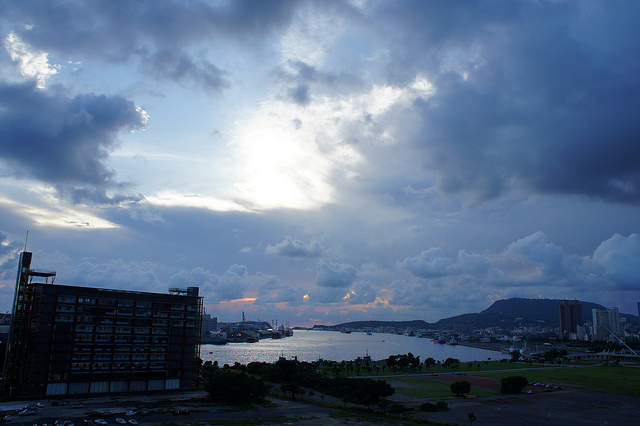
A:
[324,161]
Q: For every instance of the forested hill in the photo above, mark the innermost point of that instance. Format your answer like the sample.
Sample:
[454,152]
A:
[415,324]
[546,309]
[515,312]
[504,313]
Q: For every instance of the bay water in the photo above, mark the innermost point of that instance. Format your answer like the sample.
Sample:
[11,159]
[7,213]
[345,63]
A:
[312,345]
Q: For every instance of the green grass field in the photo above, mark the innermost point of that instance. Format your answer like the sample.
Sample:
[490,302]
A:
[618,379]
[463,367]
[426,389]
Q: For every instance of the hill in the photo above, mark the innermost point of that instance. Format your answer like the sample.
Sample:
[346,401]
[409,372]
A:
[414,324]
[506,313]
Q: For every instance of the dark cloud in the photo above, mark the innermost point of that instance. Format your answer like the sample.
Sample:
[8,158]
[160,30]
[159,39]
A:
[335,275]
[160,33]
[180,67]
[300,94]
[115,274]
[301,78]
[62,139]
[362,293]
[433,263]
[296,248]
[535,95]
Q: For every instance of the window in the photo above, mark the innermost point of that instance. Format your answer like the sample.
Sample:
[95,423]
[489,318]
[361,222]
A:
[65,308]
[144,304]
[66,299]
[87,300]
[107,302]
[85,319]
[64,318]
[126,303]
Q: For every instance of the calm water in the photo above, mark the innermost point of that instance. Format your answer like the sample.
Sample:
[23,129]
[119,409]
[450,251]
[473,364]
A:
[310,345]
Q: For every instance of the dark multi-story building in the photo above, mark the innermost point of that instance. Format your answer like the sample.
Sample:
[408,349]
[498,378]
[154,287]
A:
[80,340]
[570,317]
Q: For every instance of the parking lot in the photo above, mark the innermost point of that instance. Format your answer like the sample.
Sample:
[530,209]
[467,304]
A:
[104,410]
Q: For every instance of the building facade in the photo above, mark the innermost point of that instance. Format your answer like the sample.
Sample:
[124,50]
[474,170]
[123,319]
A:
[570,317]
[606,324]
[81,340]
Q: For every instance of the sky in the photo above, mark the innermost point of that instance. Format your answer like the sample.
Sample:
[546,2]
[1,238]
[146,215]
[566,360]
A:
[317,162]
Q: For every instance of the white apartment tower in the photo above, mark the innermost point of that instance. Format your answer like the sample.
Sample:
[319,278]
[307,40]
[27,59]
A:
[606,323]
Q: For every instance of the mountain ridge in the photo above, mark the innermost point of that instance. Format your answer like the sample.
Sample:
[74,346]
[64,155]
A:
[513,312]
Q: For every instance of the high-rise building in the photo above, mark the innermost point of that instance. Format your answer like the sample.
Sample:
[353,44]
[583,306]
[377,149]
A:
[570,317]
[81,340]
[209,324]
[606,323]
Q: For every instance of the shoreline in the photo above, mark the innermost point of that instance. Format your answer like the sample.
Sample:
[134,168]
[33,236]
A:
[495,347]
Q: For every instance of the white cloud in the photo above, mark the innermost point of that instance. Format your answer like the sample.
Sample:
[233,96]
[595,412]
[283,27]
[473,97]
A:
[34,64]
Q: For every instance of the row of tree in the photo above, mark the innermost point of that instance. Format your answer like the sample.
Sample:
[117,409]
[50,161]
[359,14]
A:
[255,380]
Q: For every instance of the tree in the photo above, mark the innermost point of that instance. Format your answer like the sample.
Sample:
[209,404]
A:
[472,418]
[451,363]
[429,362]
[460,387]
[227,385]
[515,355]
[513,384]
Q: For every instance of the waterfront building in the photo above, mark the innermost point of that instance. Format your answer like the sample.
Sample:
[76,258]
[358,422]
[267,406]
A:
[81,340]
[606,323]
[570,317]
[209,325]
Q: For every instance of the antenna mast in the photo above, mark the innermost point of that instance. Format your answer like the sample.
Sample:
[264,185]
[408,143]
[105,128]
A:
[25,241]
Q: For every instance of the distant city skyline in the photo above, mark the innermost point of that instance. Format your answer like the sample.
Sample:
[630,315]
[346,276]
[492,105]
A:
[323,162]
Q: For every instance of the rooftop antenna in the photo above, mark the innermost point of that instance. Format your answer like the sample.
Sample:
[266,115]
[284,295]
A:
[25,241]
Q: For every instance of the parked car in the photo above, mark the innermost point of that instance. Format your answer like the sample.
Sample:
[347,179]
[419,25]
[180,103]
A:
[121,421]
[100,422]
[133,422]
[40,404]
